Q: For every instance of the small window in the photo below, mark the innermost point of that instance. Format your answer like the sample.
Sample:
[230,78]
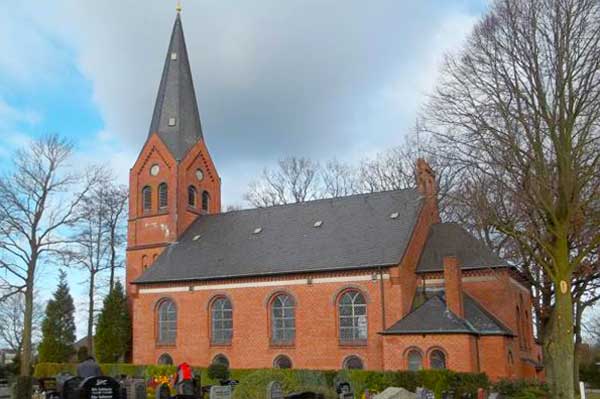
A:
[437,359]
[282,362]
[353,317]
[167,322]
[165,359]
[222,321]
[352,363]
[205,200]
[163,195]
[172,121]
[147,198]
[222,360]
[192,194]
[415,360]
[144,262]
[283,320]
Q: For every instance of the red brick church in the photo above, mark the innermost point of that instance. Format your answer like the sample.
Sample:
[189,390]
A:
[374,281]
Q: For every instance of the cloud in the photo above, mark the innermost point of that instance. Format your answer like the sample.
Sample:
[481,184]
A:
[315,78]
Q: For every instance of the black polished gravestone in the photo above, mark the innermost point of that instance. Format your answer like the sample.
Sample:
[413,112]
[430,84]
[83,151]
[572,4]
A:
[163,392]
[70,388]
[100,388]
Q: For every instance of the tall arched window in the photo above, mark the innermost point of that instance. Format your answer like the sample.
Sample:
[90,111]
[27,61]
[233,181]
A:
[205,200]
[283,319]
[353,317]
[414,360]
[166,359]
[192,194]
[163,195]
[352,363]
[147,199]
[437,359]
[144,262]
[167,322]
[282,362]
[221,321]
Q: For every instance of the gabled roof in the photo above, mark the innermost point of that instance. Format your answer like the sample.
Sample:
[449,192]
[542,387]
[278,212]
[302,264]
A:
[356,232]
[176,99]
[451,239]
[434,317]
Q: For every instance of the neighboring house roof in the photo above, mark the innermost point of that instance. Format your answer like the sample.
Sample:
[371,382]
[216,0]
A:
[434,317]
[356,232]
[451,239]
[176,100]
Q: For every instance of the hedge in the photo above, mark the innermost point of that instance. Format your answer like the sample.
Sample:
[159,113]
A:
[253,382]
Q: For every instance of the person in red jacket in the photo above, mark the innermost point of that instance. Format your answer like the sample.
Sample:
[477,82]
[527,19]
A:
[184,380]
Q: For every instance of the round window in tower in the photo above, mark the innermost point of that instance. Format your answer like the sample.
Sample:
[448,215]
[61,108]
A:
[199,174]
[154,170]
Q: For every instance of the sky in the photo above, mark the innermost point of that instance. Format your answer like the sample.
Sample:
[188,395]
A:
[313,78]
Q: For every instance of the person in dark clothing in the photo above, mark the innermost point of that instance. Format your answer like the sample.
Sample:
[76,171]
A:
[88,368]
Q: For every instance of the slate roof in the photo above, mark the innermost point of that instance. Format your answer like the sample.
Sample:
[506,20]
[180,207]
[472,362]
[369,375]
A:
[357,232]
[451,239]
[433,317]
[177,99]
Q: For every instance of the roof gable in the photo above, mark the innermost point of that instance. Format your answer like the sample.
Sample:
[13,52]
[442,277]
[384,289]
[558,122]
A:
[451,239]
[356,232]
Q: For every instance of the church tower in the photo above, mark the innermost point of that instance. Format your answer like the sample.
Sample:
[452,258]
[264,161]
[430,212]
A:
[174,180]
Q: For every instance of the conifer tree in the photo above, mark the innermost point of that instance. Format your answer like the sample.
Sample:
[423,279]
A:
[58,327]
[113,331]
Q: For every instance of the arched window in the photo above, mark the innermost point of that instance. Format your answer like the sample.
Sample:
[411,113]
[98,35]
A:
[147,199]
[437,359]
[166,359]
[205,200]
[283,319]
[282,362]
[167,322]
[353,317]
[352,363]
[144,262]
[163,195]
[192,194]
[414,360]
[221,359]
[222,321]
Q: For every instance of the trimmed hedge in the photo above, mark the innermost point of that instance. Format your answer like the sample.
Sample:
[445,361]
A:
[253,382]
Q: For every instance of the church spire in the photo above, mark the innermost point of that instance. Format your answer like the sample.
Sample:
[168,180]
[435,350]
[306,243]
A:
[176,119]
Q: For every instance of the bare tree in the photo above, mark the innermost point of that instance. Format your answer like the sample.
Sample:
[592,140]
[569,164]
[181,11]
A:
[519,107]
[36,204]
[12,317]
[115,202]
[294,180]
[97,236]
[338,179]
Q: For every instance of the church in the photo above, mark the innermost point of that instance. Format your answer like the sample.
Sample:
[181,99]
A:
[372,281]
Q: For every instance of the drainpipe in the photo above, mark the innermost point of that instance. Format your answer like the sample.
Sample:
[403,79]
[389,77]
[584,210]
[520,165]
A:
[382,299]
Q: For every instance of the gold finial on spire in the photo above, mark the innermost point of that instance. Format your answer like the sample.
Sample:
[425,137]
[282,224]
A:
[178,7]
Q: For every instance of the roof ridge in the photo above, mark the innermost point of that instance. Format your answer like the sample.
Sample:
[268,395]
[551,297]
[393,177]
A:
[343,197]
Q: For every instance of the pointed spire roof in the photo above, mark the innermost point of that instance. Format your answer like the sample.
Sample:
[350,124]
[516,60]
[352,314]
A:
[176,119]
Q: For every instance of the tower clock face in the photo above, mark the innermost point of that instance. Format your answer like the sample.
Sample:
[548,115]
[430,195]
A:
[199,174]
[154,170]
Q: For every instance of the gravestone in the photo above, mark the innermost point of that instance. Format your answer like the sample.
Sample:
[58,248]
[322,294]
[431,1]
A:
[220,392]
[70,388]
[135,388]
[423,393]
[344,390]
[163,392]
[274,390]
[100,388]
